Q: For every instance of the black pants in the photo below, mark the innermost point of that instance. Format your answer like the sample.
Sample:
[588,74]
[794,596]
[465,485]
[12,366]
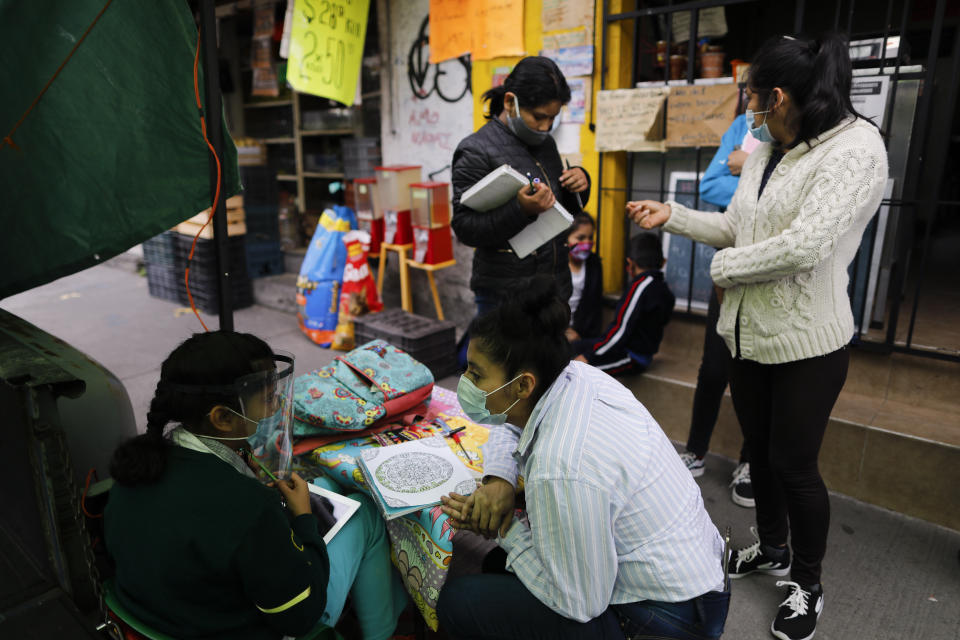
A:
[783,410]
[711,381]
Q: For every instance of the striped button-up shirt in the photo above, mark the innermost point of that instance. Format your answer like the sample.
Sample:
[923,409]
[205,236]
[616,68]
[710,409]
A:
[615,517]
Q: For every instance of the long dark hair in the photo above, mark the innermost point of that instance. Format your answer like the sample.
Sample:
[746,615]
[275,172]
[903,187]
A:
[206,359]
[535,81]
[526,332]
[816,73]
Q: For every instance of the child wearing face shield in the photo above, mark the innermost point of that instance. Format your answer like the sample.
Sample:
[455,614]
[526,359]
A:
[204,549]
[617,542]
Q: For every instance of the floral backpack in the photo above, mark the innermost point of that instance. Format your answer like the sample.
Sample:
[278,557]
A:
[374,383]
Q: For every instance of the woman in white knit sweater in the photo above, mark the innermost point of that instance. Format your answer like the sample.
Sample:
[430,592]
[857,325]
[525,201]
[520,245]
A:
[787,238]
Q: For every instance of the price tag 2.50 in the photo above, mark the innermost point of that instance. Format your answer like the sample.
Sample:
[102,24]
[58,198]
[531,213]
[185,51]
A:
[326,47]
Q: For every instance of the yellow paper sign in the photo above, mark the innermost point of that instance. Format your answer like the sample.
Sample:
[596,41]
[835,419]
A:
[326,47]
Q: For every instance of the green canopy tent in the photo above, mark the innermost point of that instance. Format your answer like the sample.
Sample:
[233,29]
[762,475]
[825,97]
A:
[112,154]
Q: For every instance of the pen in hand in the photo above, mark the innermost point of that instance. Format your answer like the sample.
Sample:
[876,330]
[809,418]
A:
[579,201]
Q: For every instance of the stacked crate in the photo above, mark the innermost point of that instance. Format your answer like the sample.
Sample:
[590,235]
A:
[432,342]
[361,156]
[261,202]
[164,270]
[204,277]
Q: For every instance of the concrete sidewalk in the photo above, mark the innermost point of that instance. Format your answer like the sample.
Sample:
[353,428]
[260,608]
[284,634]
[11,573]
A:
[886,576]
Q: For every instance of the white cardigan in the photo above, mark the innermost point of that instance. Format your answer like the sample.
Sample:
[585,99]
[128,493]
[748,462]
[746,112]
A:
[784,257]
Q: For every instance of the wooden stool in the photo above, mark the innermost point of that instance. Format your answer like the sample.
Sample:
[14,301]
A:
[430,268]
[406,298]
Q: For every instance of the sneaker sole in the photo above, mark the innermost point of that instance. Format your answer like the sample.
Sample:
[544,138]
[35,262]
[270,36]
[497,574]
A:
[770,572]
[742,502]
[783,636]
[697,472]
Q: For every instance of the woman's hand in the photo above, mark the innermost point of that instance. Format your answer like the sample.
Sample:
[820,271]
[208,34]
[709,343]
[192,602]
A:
[574,180]
[648,213]
[458,508]
[493,505]
[296,492]
[735,161]
[541,200]
[571,334]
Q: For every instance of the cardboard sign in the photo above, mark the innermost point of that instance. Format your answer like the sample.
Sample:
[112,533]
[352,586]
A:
[630,119]
[698,115]
[326,48]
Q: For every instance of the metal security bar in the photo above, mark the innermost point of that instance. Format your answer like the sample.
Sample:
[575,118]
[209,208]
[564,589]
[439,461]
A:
[892,282]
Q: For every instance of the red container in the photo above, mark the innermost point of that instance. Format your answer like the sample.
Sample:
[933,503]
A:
[396,227]
[375,229]
[432,245]
[430,202]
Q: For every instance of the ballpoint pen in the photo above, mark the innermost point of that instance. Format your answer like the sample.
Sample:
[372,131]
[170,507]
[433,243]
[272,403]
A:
[579,201]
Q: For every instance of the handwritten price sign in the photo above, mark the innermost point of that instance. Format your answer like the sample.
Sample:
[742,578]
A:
[326,47]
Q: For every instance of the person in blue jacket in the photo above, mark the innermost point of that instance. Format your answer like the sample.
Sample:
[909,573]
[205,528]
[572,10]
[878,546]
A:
[716,187]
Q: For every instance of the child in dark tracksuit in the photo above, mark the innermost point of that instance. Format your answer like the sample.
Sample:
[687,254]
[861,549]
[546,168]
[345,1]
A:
[631,340]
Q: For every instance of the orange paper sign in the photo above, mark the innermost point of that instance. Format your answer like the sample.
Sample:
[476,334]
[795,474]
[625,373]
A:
[485,29]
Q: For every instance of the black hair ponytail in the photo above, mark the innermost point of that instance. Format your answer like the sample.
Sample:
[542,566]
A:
[141,460]
[535,80]
[205,359]
[527,332]
[816,73]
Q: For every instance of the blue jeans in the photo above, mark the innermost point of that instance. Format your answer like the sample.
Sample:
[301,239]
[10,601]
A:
[499,607]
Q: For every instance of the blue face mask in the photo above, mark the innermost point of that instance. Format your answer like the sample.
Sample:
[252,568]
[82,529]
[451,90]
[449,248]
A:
[473,401]
[761,133]
[520,128]
[266,427]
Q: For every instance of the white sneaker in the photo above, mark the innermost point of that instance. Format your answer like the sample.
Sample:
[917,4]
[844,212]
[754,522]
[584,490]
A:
[742,489]
[694,464]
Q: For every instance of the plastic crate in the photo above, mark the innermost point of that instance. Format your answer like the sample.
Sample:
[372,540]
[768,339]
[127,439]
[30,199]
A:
[165,282]
[161,250]
[259,186]
[409,332]
[263,223]
[264,259]
[205,257]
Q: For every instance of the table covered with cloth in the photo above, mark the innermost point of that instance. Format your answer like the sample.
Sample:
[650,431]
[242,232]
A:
[421,543]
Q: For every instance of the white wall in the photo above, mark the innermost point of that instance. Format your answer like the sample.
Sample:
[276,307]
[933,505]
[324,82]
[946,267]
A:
[414,130]
[425,131]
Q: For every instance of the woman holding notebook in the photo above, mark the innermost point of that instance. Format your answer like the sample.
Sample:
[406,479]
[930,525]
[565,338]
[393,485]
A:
[617,541]
[522,113]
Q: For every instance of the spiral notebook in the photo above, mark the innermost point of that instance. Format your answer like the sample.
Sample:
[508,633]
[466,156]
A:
[414,475]
[500,186]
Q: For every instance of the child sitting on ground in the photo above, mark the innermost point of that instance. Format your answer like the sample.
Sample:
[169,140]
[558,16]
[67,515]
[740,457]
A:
[631,340]
[586,273]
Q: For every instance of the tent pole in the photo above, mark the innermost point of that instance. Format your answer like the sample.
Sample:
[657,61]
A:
[212,113]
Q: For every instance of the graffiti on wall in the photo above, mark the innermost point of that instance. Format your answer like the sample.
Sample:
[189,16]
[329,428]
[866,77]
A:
[449,80]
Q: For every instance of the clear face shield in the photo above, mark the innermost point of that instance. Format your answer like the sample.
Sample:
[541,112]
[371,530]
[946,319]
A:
[266,400]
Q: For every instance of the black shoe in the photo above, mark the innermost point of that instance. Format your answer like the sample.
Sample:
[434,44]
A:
[798,614]
[759,558]
[742,491]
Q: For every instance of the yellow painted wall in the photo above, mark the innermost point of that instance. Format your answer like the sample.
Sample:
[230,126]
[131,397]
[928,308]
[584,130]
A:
[533,40]
[610,214]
